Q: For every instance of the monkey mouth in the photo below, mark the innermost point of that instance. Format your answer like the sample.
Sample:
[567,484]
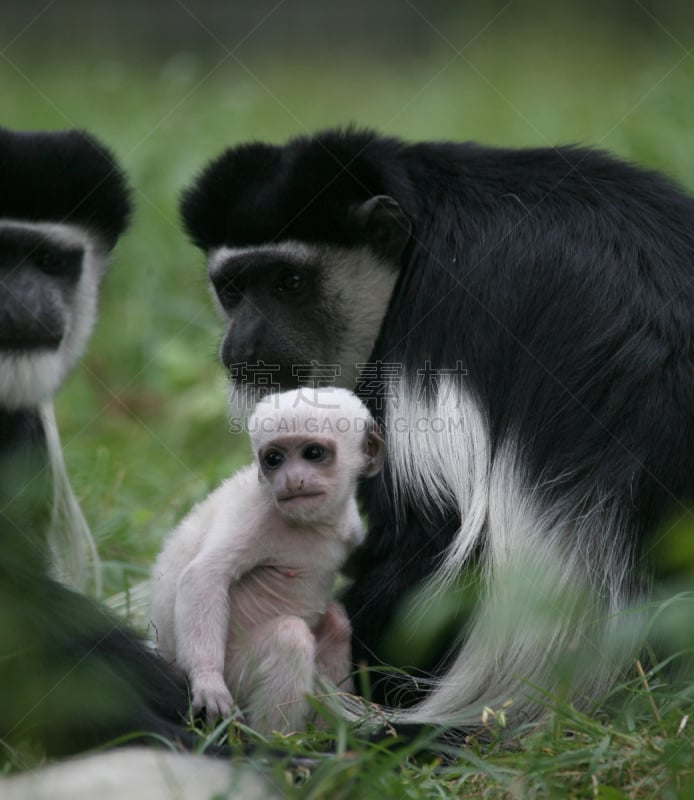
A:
[298,500]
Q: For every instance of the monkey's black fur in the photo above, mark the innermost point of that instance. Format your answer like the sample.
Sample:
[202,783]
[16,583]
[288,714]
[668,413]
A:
[562,278]
[71,676]
[62,177]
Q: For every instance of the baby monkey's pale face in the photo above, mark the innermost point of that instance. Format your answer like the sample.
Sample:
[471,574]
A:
[302,474]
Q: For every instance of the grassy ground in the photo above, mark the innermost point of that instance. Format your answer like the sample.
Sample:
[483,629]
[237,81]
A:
[143,415]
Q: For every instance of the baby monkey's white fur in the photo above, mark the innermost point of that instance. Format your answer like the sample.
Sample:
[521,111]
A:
[241,589]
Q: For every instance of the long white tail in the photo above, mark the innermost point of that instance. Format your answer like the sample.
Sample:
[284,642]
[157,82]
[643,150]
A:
[553,575]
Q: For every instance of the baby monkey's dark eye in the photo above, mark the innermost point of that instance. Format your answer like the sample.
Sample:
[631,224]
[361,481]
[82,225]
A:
[314,452]
[273,459]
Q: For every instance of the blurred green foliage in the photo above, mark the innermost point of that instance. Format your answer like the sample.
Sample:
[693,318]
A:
[143,416]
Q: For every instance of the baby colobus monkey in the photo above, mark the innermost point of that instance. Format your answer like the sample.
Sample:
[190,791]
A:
[241,590]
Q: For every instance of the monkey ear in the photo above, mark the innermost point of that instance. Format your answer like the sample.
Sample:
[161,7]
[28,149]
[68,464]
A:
[375,449]
[384,225]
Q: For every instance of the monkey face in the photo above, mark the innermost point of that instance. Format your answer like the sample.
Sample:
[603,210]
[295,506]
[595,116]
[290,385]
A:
[298,314]
[302,474]
[304,250]
[49,279]
[312,446]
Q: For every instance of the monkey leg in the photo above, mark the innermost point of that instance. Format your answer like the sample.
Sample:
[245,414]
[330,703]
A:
[333,647]
[274,673]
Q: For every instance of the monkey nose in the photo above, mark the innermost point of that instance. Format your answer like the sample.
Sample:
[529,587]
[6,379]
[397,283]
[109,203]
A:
[295,484]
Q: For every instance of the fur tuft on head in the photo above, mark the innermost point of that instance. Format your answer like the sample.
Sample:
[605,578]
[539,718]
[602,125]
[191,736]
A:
[64,177]
[261,193]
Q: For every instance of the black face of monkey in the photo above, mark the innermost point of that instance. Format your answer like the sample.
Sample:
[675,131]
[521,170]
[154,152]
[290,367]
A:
[38,278]
[49,284]
[63,205]
[275,303]
[300,314]
[305,283]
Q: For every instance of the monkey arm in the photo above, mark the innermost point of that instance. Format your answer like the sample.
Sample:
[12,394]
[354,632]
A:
[201,616]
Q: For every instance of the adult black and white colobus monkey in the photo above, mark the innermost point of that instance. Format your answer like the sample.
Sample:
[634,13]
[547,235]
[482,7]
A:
[71,677]
[63,207]
[524,318]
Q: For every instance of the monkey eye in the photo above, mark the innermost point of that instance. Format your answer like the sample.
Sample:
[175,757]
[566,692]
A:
[47,260]
[272,459]
[229,290]
[314,452]
[61,262]
[289,282]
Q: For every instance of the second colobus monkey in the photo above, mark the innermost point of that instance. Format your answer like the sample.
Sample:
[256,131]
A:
[64,203]
[537,303]
[242,587]
[72,676]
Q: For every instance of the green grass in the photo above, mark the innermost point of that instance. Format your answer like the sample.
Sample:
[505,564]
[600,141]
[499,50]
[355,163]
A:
[644,750]
[143,415]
